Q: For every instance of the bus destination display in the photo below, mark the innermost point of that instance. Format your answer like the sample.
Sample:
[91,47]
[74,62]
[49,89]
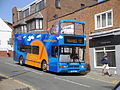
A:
[73,40]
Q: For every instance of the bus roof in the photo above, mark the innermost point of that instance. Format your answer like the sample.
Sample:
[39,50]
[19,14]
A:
[61,21]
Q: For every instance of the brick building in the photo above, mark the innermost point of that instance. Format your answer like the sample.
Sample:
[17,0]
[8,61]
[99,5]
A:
[35,16]
[103,32]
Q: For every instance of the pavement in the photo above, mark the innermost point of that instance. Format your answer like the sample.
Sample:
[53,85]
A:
[8,83]
[114,79]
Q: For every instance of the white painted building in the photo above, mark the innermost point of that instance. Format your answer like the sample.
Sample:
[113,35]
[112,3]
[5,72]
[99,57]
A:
[5,35]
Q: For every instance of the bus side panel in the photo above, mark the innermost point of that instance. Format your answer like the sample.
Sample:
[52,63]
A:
[52,60]
[17,41]
[53,64]
[36,59]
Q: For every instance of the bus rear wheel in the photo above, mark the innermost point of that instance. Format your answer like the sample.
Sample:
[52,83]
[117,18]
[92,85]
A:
[21,60]
[44,66]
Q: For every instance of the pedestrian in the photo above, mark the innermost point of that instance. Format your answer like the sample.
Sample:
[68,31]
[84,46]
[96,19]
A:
[105,61]
[8,54]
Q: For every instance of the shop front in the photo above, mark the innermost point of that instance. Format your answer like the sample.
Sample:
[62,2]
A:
[105,42]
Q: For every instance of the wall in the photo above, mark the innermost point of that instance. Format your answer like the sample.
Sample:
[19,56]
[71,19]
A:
[118,58]
[92,57]
[50,10]
[4,37]
[87,15]
[67,6]
[108,5]
[14,15]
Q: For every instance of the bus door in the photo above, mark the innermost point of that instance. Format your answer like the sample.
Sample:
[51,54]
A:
[53,63]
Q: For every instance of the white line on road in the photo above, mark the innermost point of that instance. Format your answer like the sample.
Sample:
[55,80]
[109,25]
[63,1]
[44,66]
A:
[72,82]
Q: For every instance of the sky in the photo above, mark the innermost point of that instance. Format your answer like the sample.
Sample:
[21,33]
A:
[7,5]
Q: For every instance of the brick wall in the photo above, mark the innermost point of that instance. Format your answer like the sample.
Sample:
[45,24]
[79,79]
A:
[67,6]
[87,15]
[4,53]
[50,10]
[14,15]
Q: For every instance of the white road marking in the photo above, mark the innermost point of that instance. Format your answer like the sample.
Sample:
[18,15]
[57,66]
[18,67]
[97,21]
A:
[72,82]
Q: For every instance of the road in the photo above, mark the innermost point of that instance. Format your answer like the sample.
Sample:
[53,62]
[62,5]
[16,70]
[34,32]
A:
[50,81]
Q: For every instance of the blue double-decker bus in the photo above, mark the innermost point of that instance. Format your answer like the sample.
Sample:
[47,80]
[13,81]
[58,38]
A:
[62,49]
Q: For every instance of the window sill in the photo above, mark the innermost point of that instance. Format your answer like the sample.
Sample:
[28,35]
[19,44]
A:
[104,27]
[97,67]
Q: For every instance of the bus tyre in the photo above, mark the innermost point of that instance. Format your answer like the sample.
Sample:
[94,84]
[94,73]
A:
[44,66]
[21,60]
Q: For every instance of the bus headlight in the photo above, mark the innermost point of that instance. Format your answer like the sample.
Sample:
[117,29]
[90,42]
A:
[82,66]
[62,66]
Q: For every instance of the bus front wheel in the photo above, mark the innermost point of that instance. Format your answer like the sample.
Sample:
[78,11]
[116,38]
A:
[21,60]
[44,66]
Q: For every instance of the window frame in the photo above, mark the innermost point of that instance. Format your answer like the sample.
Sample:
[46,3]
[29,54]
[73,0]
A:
[53,53]
[20,15]
[36,24]
[26,12]
[100,14]
[40,5]
[82,5]
[22,48]
[32,8]
[104,50]
[57,4]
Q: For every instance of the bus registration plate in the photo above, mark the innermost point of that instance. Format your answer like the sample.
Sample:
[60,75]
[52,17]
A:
[73,71]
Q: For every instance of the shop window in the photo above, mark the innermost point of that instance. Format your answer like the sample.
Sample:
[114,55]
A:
[99,52]
[103,20]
